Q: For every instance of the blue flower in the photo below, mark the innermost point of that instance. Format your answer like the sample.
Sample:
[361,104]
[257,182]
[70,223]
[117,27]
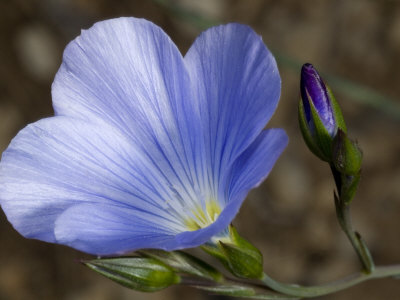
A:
[147,149]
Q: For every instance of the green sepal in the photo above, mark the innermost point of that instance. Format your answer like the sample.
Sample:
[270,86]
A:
[337,112]
[305,130]
[346,155]
[319,141]
[183,262]
[322,139]
[244,262]
[238,255]
[141,274]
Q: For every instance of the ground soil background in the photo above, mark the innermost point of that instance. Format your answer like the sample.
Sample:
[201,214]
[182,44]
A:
[291,216]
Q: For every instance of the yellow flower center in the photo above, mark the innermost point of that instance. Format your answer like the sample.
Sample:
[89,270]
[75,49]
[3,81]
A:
[202,218]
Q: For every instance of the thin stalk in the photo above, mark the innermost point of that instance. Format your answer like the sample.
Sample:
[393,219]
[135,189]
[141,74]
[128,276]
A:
[344,218]
[325,289]
[355,240]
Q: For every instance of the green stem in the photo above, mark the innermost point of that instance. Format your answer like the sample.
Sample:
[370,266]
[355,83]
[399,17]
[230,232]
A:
[319,290]
[356,241]
[342,203]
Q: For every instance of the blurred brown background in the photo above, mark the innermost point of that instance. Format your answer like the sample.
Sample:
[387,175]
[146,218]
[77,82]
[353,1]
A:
[291,216]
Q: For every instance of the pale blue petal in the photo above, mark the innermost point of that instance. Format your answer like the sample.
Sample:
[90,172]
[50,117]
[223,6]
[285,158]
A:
[254,164]
[128,73]
[238,84]
[104,229]
[60,162]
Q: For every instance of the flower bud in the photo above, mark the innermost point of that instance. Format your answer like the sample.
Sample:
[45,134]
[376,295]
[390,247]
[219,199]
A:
[238,255]
[141,274]
[319,114]
[182,262]
[347,156]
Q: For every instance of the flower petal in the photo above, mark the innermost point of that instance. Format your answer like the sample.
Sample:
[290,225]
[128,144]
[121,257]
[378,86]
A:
[106,229]
[254,164]
[60,162]
[128,73]
[248,171]
[238,84]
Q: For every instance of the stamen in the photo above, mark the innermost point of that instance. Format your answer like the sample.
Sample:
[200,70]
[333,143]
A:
[202,218]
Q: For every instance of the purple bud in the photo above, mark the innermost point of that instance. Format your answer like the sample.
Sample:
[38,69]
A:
[312,87]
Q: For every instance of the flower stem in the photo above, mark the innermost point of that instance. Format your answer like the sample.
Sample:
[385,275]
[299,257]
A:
[346,186]
[319,290]
[356,241]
